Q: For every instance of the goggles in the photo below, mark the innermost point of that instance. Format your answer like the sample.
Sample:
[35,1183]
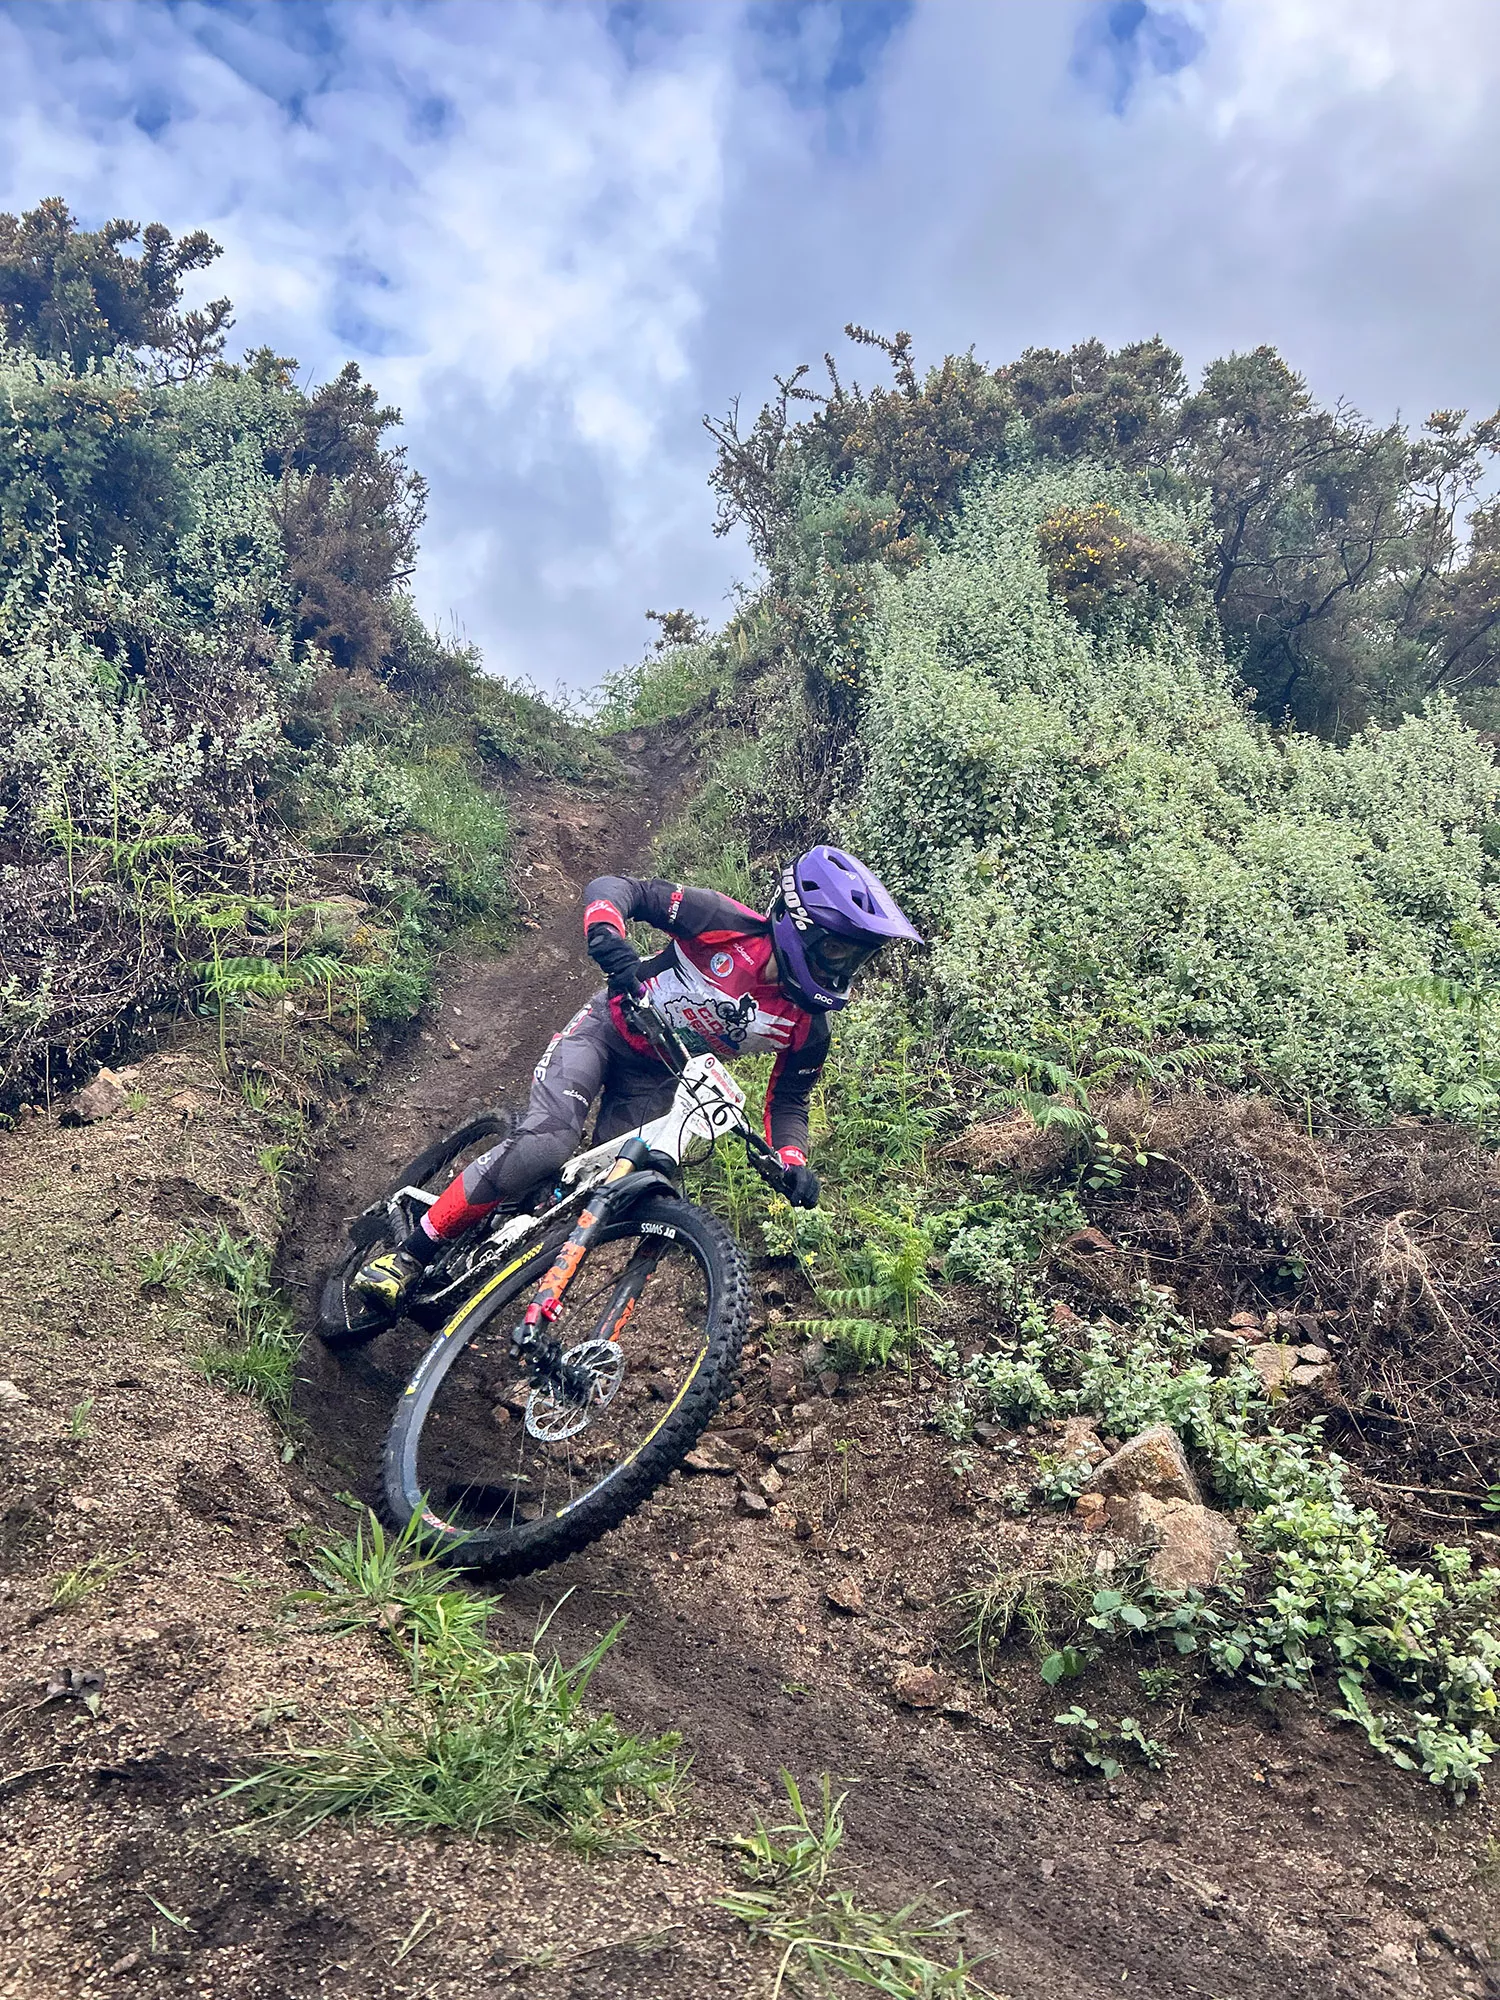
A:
[835,959]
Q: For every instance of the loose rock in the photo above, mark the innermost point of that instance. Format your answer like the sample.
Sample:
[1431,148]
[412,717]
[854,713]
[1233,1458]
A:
[1306,1376]
[1152,1462]
[9,1393]
[783,1379]
[1091,1509]
[919,1687]
[1080,1439]
[708,1456]
[1273,1363]
[752,1503]
[844,1594]
[1192,1542]
[100,1099]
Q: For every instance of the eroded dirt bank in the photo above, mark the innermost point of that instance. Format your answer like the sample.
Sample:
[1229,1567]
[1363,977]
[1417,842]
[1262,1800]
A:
[1275,1857]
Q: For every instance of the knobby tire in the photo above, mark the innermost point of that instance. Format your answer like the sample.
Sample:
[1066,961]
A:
[529,1545]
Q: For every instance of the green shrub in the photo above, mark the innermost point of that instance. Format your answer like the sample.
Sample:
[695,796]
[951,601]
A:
[1414,1653]
[675,681]
[1113,853]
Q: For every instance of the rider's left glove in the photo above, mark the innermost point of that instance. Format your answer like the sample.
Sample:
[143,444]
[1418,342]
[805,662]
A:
[617,958]
[801,1186]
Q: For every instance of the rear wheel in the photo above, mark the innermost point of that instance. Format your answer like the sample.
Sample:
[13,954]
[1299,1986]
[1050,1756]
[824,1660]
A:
[510,1477]
[344,1318]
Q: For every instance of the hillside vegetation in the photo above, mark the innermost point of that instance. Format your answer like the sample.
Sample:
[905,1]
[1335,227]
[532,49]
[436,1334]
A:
[234,765]
[1165,710]
[1026,637]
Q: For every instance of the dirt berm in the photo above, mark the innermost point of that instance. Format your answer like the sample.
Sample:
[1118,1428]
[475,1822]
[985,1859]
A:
[1275,1856]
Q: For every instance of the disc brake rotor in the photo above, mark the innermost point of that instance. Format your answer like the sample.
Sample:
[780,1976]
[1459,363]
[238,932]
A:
[552,1420]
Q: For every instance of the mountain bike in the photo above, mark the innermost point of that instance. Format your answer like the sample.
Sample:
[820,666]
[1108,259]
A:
[580,1348]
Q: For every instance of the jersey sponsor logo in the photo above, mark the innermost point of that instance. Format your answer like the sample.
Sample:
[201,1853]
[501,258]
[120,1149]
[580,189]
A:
[737,1013]
[721,964]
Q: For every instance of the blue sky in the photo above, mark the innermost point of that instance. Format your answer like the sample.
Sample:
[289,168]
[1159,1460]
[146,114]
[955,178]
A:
[557,234]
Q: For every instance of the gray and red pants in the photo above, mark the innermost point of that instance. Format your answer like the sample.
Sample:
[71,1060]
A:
[587,1057]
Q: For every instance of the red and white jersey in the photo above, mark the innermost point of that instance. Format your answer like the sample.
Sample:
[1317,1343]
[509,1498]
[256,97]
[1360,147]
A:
[724,997]
[717,984]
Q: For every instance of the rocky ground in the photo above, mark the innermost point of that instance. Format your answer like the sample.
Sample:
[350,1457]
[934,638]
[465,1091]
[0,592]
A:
[793,1603]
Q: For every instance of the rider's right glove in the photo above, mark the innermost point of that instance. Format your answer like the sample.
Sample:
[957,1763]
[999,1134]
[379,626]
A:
[617,958]
[801,1186]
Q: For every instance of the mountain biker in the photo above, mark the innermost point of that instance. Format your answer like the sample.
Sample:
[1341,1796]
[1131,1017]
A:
[731,982]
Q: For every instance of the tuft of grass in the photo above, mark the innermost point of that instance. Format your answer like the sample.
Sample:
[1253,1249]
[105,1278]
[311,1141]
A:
[259,1356]
[490,1744]
[74,1585]
[1050,1606]
[823,1932]
[256,1089]
[81,1418]
[469,827]
[487,1743]
[392,1585]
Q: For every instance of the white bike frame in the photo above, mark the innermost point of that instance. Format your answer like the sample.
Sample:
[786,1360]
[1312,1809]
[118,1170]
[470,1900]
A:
[707,1105]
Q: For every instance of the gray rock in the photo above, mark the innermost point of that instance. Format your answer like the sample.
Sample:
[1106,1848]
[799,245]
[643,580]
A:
[1307,1376]
[844,1594]
[100,1099]
[1154,1463]
[1273,1363]
[1191,1542]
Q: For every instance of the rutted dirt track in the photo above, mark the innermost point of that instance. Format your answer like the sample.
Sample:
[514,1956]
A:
[1275,1858]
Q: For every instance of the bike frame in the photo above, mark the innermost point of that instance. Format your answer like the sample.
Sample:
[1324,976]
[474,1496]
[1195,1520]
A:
[707,1105]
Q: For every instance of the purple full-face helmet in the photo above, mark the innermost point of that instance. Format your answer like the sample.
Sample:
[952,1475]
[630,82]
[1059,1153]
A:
[831,913]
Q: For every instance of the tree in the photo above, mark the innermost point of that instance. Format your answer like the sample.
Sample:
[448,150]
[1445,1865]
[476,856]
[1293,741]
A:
[350,510]
[1340,570]
[1091,403]
[74,295]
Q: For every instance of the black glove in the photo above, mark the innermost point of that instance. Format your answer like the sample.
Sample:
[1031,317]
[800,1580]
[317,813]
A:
[617,958]
[801,1186]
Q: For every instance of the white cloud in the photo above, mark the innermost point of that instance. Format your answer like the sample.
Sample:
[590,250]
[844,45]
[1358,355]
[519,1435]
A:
[556,234]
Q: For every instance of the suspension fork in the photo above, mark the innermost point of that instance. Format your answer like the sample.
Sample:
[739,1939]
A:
[618,1314]
[530,1339]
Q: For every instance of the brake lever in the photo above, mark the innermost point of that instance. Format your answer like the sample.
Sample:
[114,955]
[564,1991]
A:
[764,1160]
[658,1031]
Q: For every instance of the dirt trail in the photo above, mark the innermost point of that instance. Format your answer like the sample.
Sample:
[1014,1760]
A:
[1276,1858]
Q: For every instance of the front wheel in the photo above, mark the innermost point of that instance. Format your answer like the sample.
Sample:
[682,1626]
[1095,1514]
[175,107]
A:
[510,1478]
